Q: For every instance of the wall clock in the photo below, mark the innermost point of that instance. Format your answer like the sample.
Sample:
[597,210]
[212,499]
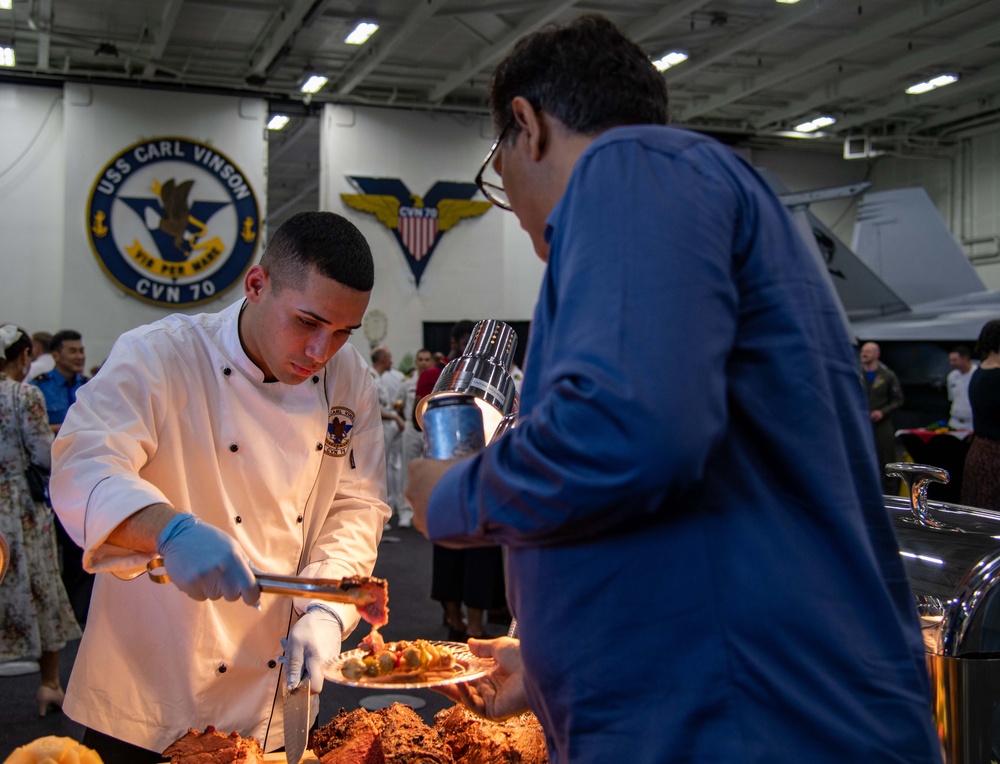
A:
[375,325]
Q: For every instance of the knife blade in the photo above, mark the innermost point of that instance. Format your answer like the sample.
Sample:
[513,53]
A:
[295,710]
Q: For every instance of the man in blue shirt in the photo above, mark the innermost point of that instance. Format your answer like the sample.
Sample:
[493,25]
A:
[60,385]
[700,562]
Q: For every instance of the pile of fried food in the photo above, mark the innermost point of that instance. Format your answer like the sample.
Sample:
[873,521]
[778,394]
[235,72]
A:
[53,749]
[397,735]
[393,735]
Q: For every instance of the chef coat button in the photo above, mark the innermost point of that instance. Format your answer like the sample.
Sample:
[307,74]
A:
[222,669]
[272,664]
[315,380]
[234,447]
[319,446]
[239,519]
[227,371]
[299,519]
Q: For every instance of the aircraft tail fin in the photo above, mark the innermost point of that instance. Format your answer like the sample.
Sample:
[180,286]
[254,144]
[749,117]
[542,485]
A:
[901,238]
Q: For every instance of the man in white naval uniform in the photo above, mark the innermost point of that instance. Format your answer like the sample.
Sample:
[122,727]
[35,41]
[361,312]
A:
[413,438]
[388,381]
[962,369]
[231,442]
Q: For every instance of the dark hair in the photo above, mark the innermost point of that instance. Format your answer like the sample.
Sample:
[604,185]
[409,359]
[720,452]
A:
[462,329]
[326,241]
[989,338]
[962,350]
[586,74]
[62,336]
[43,340]
[17,348]
[378,353]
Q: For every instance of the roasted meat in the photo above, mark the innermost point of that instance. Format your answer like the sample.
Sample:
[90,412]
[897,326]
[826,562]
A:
[214,747]
[401,737]
[477,741]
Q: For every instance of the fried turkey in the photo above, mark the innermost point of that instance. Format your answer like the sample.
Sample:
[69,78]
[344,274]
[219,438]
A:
[400,737]
[473,740]
[214,747]
[349,738]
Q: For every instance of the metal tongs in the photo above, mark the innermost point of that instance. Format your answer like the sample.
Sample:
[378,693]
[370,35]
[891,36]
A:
[353,590]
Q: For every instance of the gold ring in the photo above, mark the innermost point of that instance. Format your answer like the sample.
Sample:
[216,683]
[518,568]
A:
[157,564]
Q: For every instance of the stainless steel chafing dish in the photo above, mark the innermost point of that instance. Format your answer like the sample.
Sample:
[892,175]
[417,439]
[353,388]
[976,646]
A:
[952,558]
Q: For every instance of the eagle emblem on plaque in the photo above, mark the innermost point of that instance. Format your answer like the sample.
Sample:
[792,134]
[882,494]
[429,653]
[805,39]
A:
[418,222]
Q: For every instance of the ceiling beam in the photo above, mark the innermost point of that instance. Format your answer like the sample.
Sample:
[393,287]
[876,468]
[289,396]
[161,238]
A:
[499,49]
[977,84]
[841,46]
[44,34]
[288,25]
[875,78]
[785,16]
[376,54]
[643,29]
[161,35]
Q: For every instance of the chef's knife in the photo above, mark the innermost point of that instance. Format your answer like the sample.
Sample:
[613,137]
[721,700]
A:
[296,718]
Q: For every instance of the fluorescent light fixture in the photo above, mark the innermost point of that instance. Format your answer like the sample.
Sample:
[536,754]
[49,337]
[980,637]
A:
[314,84]
[815,124]
[277,122]
[788,2]
[671,59]
[7,57]
[933,84]
[360,34]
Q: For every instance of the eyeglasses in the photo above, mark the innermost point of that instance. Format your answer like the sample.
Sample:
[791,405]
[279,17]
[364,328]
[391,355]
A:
[493,191]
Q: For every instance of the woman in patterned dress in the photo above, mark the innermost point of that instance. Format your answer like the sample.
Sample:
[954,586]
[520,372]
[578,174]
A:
[981,476]
[36,619]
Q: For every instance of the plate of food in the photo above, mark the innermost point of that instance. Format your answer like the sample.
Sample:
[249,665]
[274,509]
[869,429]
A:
[407,665]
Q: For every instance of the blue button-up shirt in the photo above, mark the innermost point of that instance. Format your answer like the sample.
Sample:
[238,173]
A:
[59,392]
[700,561]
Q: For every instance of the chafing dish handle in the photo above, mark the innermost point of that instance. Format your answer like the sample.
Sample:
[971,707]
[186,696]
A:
[918,478]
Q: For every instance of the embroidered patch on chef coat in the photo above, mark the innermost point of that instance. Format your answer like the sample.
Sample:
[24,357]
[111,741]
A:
[338,431]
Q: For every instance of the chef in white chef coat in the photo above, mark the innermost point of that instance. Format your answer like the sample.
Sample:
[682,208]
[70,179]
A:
[231,442]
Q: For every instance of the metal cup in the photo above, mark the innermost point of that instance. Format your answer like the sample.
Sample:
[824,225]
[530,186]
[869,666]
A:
[452,427]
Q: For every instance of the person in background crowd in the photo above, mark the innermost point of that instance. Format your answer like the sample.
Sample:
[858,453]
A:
[885,395]
[60,385]
[700,562]
[981,474]
[226,443]
[35,615]
[413,442]
[388,381]
[42,361]
[962,367]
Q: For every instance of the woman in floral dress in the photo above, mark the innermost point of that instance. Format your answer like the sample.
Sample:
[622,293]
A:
[36,619]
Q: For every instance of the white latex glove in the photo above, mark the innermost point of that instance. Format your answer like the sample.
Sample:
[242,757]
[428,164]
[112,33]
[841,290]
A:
[313,643]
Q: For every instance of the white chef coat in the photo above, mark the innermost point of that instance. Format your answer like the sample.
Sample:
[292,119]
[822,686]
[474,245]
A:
[295,473]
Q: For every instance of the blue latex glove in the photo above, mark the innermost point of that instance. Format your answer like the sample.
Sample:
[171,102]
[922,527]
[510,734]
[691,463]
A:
[313,642]
[206,563]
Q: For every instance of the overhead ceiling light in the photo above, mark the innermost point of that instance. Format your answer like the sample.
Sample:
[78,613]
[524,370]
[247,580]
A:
[815,124]
[671,59]
[361,33]
[277,122]
[788,2]
[7,57]
[933,84]
[314,84]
